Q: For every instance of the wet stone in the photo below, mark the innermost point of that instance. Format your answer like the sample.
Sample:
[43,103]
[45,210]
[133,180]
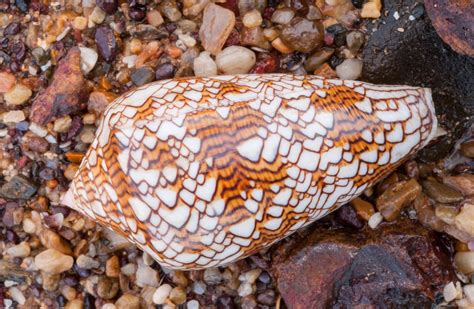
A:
[142,76]
[349,69]
[53,261]
[318,58]
[19,187]
[108,6]
[217,24]
[303,35]
[396,197]
[165,71]
[106,43]
[441,192]
[107,288]
[355,40]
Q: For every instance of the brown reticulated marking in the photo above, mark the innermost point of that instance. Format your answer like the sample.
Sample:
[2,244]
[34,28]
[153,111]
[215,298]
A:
[199,172]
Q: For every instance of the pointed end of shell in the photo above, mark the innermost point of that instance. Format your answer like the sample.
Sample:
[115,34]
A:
[434,126]
[68,199]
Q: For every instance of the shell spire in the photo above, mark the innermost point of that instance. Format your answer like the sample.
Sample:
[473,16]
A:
[200,172]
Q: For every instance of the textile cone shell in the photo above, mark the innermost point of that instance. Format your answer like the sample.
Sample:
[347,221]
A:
[200,172]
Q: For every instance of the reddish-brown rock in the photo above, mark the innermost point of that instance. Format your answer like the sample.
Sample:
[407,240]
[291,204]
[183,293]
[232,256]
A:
[396,265]
[66,94]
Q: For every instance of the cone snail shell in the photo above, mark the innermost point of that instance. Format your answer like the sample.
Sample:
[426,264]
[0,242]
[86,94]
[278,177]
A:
[200,172]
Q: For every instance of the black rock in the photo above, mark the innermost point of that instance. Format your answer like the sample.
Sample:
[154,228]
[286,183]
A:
[418,57]
[19,187]
[165,71]
[106,43]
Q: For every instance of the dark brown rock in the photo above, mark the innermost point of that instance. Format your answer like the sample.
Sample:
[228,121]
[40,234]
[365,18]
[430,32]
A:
[442,193]
[66,94]
[397,265]
[396,197]
[453,20]
[303,35]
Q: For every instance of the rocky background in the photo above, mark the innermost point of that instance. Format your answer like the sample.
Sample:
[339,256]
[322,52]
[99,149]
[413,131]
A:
[407,243]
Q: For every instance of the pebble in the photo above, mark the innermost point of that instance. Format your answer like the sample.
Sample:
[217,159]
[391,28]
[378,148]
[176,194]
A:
[52,240]
[170,10]
[108,6]
[165,71]
[464,262]
[53,262]
[283,16]
[250,276]
[318,58]
[467,149]
[143,75]
[396,197]
[17,95]
[88,59]
[74,304]
[112,267]
[371,9]
[204,65]
[245,289]
[355,40]
[154,18]
[349,69]
[7,81]
[161,294]
[252,19]
[17,295]
[106,43]
[464,183]
[20,250]
[303,35]
[86,262]
[128,269]
[13,116]
[62,125]
[364,209]
[464,221]
[375,220]
[29,226]
[199,287]
[97,16]
[146,275]
[87,134]
[267,298]
[99,100]
[441,192]
[446,213]
[107,288]
[469,292]
[235,60]
[108,306]
[212,276]
[217,24]
[19,187]
[128,301]
[450,292]
[192,304]
[177,295]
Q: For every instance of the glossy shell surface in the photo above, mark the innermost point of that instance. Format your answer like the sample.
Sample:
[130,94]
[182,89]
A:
[200,172]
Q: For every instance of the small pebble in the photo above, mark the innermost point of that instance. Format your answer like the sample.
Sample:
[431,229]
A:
[375,220]
[245,289]
[17,95]
[128,269]
[355,40]
[235,60]
[20,250]
[449,292]
[467,149]
[217,24]
[17,295]
[74,304]
[212,276]
[106,43]
[62,125]
[53,261]
[469,292]
[252,19]
[177,295]
[13,116]
[349,69]
[371,9]
[283,16]
[204,65]
[146,276]
[109,6]
[154,18]
[97,16]
[7,81]
[112,267]
[128,301]
[143,75]
[88,59]
[80,23]
[161,294]
[192,304]
[107,288]
[165,71]
[464,262]
[86,262]
[303,35]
